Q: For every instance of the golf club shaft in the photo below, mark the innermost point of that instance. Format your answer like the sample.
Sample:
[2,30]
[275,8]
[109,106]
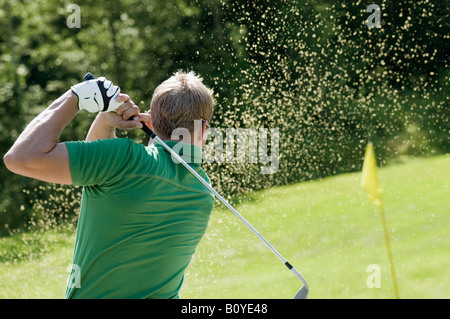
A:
[224,201]
[217,195]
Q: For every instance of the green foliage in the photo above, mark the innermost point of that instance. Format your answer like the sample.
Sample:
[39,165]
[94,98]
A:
[313,69]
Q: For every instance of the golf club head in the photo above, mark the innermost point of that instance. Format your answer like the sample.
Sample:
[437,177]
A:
[304,290]
[302,293]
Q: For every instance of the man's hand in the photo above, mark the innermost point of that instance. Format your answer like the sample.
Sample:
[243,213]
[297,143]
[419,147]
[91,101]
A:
[127,116]
[97,95]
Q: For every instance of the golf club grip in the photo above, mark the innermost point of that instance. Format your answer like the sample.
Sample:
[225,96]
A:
[145,128]
[148,131]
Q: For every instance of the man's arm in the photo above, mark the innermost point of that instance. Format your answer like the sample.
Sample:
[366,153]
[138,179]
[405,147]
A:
[37,153]
[100,129]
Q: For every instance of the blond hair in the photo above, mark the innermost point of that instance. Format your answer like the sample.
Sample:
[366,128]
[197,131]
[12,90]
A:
[178,101]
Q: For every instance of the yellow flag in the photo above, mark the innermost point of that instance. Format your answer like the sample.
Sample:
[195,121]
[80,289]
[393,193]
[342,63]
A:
[369,179]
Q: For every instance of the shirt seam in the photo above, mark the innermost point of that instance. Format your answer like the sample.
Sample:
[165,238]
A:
[175,184]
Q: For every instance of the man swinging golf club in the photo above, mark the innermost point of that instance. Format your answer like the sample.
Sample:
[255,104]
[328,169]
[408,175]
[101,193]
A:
[176,103]
[142,215]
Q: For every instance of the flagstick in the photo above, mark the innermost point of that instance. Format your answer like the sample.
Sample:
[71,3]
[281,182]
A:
[388,247]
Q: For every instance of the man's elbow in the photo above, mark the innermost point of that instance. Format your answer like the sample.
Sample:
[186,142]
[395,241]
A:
[14,163]
[8,159]
[52,167]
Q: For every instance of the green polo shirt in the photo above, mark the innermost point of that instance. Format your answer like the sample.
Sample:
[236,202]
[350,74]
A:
[141,219]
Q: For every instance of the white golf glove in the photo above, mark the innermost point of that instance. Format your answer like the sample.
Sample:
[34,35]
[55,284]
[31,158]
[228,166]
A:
[97,95]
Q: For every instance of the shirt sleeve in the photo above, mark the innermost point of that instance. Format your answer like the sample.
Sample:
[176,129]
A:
[100,162]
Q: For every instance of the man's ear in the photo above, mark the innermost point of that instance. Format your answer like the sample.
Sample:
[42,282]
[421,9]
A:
[149,123]
[204,132]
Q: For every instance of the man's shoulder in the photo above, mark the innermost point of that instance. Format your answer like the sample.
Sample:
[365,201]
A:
[104,147]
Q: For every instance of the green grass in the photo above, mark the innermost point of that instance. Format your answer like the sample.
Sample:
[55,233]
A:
[326,228]
[35,264]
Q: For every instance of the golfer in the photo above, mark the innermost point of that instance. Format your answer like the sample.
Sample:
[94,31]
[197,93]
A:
[142,214]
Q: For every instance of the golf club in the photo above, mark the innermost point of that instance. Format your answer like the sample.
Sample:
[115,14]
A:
[304,290]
